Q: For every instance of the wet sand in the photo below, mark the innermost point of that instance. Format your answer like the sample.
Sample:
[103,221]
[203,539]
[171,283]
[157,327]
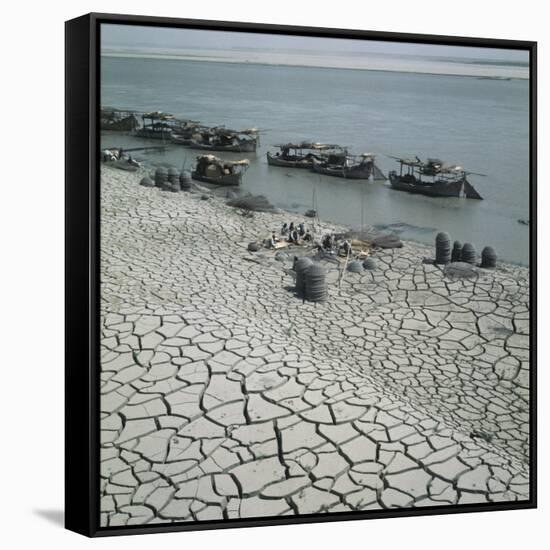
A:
[226,396]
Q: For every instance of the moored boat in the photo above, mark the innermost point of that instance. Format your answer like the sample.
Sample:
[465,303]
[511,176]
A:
[184,131]
[241,147]
[300,155]
[344,165]
[116,120]
[433,178]
[124,164]
[156,125]
[211,169]
[223,139]
[116,158]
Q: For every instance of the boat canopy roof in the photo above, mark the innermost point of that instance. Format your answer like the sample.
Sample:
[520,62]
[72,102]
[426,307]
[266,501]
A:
[309,145]
[188,122]
[410,162]
[222,131]
[452,169]
[361,157]
[432,166]
[158,115]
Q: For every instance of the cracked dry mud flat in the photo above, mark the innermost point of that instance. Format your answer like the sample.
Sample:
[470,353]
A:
[224,396]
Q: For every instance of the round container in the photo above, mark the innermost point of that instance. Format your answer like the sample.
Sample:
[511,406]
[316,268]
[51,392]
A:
[173,175]
[469,254]
[300,267]
[147,182]
[316,283]
[355,266]
[488,257]
[456,254]
[185,181]
[161,175]
[369,264]
[442,248]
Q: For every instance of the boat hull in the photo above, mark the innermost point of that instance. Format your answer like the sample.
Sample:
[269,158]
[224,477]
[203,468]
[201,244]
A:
[244,147]
[225,179]
[127,124]
[436,189]
[122,164]
[180,140]
[343,172]
[274,160]
[152,134]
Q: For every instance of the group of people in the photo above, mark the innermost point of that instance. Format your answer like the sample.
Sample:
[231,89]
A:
[294,233]
[291,233]
[330,244]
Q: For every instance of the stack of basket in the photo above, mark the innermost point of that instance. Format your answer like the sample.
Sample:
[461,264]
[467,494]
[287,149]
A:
[488,257]
[316,283]
[469,254]
[300,267]
[161,176]
[456,254]
[185,181]
[173,183]
[442,248]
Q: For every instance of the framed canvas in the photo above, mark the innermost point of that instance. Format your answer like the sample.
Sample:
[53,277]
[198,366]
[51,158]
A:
[300,274]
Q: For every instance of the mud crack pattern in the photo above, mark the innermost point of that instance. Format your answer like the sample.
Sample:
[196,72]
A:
[224,396]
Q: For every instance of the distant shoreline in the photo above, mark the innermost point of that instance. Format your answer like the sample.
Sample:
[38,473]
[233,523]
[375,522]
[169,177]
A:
[208,59]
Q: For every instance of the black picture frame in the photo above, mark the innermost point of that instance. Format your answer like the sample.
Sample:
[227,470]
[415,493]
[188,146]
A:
[82,270]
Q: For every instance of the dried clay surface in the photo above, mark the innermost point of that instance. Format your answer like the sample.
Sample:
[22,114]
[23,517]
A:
[223,395]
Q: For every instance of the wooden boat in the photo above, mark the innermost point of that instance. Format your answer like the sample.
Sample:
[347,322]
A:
[180,139]
[241,147]
[433,178]
[124,164]
[300,155]
[211,169]
[116,158]
[184,131]
[192,133]
[223,139]
[156,125]
[116,120]
[344,165]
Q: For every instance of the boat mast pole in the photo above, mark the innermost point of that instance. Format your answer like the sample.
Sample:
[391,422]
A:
[314,200]
[362,207]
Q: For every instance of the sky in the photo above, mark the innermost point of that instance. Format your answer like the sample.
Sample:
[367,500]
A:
[154,38]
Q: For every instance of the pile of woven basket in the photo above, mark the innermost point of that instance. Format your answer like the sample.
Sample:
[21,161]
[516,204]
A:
[311,280]
[466,253]
[168,179]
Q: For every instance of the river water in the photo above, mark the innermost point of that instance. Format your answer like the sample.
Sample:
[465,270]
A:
[479,123]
